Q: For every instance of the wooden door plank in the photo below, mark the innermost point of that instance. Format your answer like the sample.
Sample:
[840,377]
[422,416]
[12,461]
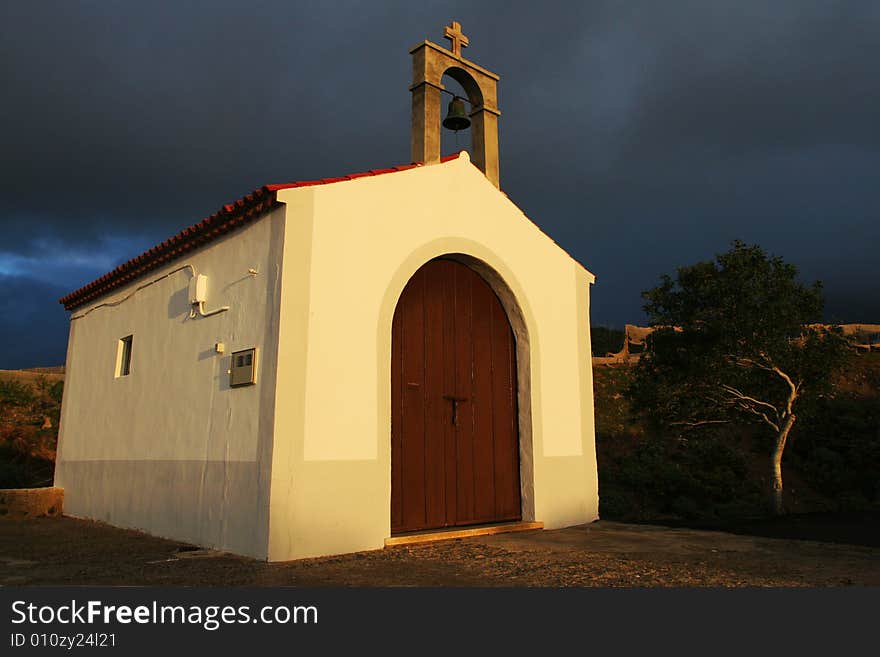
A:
[413,453]
[484,439]
[449,387]
[462,358]
[435,406]
[506,457]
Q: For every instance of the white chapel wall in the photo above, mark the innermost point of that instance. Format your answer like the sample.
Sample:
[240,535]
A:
[171,448]
[357,245]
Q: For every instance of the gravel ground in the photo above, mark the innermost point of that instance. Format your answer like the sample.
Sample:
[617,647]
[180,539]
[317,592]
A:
[76,552]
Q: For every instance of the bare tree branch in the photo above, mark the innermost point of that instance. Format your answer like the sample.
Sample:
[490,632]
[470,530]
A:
[697,423]
[761,414]
[743,397]
[794,389]
[749,404]
[786,378]
[742,361]
[767,360]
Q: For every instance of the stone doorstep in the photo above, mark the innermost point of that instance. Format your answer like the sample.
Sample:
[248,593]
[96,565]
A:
[459,532]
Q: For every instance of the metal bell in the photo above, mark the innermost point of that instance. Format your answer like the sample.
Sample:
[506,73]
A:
[456,116]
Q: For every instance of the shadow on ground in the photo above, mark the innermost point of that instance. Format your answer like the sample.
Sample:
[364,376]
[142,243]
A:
[852,528]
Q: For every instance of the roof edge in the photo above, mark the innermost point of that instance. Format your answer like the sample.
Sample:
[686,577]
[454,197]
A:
[228,218]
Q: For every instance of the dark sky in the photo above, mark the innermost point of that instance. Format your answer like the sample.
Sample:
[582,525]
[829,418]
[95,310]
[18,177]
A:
[640,135]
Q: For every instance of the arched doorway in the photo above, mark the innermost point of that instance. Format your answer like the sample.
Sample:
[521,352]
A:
[454,424]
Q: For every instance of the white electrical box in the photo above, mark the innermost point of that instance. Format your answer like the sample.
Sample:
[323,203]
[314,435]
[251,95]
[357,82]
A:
[244,368]
[198,289]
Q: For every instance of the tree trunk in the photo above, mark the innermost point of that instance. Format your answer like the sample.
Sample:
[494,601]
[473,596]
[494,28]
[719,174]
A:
[776,467]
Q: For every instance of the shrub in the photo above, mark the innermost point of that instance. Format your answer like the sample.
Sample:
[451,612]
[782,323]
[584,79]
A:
[15,393]
[56,390]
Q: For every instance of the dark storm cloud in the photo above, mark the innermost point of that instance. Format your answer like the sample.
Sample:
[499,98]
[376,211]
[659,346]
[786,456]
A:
[640,135]
[33,330]
[699,123]
[745,78]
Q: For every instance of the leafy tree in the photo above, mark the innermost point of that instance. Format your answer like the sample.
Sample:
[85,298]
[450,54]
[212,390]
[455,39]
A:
[734,342]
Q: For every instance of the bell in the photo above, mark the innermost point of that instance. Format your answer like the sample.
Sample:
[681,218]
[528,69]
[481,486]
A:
[456,117]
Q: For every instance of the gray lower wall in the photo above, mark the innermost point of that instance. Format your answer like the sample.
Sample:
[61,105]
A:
[213,504]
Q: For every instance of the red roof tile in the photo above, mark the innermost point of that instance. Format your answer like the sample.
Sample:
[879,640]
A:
[229,217]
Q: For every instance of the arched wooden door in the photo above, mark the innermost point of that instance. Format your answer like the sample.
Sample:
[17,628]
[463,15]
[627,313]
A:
[454,429]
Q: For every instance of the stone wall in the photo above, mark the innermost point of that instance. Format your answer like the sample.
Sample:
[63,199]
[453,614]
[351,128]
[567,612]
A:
[31,502]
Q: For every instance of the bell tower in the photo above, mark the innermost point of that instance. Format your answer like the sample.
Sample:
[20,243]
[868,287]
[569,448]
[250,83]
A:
[430,63]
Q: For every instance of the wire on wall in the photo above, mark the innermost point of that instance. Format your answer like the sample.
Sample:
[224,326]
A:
[198,307]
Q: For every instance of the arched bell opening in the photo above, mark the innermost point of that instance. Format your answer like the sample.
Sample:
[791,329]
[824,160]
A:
[455,122]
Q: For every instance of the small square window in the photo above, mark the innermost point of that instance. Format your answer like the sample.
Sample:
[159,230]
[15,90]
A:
[123,356]
[244,368]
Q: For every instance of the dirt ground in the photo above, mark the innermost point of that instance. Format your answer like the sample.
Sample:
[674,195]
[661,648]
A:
[66,551]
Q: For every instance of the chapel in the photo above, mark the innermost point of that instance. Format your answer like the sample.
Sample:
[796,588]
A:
[336,365]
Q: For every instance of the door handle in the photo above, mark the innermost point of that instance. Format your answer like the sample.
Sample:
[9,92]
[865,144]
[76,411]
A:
[455,401]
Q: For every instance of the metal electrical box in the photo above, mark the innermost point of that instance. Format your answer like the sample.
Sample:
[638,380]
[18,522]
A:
[244,368]
[198,289]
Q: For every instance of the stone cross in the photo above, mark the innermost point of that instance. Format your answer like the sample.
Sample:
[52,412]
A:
[453,33]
